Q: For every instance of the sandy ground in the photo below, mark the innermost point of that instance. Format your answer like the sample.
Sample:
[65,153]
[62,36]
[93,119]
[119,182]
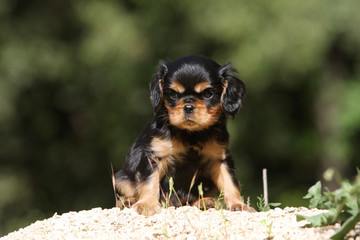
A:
[180,223]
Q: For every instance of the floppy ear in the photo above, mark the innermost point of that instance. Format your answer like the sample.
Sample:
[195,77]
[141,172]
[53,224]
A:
[234,90]
[156,84]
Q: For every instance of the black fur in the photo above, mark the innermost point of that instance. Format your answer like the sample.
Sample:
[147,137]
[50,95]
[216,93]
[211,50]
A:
[226,91]
[235,91]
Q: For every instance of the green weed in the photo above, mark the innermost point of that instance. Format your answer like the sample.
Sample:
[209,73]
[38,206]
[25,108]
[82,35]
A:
[201,193]
[268,227]
[219,204]
[166,233]
[166,204]
[265,207]
[343,205]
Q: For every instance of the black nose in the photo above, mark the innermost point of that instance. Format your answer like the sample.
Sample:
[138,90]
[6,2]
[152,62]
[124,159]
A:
[189,108]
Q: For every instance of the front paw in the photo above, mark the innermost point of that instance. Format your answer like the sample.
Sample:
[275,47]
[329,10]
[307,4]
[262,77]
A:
[147,208]
[127,201]
[240,207]
[205,203]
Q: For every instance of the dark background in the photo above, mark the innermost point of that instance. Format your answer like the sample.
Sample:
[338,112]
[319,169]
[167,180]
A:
[74,93]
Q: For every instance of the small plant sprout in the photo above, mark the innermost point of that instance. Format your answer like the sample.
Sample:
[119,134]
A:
[265,207]
[219,201]
[191,185]
[172,190]
[166,233]
[171,187]
[263,204]
[268,227]
[201,193]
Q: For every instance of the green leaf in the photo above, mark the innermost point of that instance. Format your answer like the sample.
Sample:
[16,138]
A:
[346,227]
[343,205]
[267,226]
[200,190]
[319,220]
[166,233]
[264,208]
[263,222]
[314,194]
[274,204]
[261,204]
[171,186]
[314,190]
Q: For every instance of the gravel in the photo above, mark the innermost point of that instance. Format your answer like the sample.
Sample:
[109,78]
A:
[179,223]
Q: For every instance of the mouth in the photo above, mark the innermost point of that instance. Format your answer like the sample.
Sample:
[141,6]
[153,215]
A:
[188,118]
[190,124]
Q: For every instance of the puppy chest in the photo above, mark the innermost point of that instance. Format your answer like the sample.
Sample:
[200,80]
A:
[178,151]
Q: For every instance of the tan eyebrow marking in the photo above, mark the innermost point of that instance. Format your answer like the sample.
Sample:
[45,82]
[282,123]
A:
[178,87]
[201,87]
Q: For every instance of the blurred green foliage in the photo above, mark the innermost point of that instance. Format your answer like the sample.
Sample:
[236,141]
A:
[74,95]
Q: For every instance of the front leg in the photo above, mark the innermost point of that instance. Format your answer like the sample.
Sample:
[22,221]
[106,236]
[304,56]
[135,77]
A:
[148,192]
[225,180]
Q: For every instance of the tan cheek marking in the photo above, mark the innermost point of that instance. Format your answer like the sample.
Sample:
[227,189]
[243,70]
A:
[176,114]
[216,111]
[201,87]
[202,118]
[206,116]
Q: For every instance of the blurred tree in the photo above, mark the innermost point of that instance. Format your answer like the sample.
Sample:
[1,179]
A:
[73,92]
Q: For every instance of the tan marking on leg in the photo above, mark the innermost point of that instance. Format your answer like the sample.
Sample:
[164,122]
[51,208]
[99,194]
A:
[148,191]
[224,182]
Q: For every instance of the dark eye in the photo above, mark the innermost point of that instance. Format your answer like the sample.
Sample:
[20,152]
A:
[173,94]
[208,93]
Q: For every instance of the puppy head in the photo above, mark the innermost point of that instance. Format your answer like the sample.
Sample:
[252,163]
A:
[196,91]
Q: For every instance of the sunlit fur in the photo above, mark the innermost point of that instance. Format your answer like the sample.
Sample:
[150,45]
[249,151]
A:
[187,140]
[202,118]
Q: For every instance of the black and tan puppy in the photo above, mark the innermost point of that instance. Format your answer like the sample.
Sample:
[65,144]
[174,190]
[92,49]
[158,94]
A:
[187,140]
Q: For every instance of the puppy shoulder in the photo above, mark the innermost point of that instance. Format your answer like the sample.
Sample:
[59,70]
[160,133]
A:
[138,149]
